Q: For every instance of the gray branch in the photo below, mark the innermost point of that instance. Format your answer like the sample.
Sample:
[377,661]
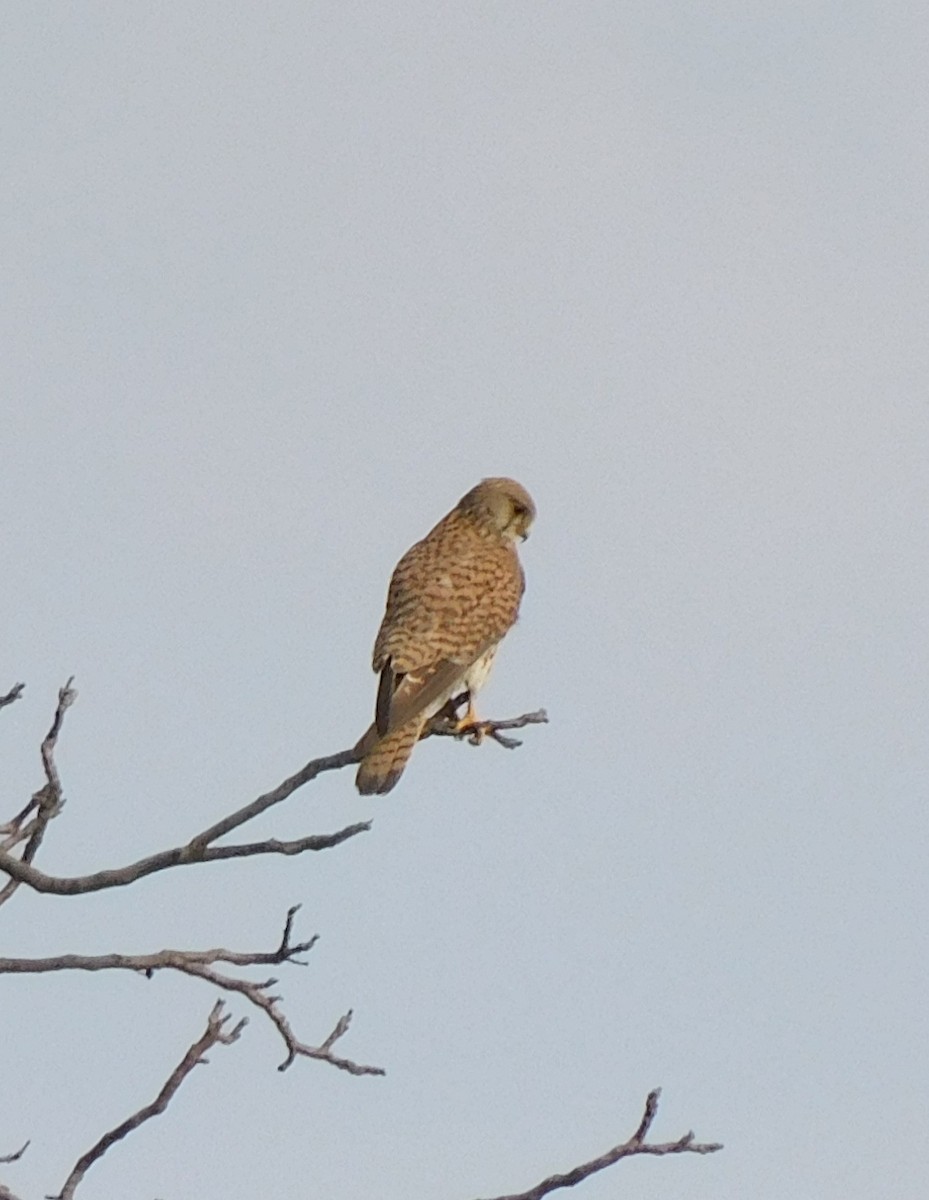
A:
[5,1193]
[445,725]
[28,827]
[632,1146]
[12,695]
[179,856]
[217,1033]
[30,824]
[201,964]
[46,803]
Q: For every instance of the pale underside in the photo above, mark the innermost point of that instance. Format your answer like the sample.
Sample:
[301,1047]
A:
[471,680]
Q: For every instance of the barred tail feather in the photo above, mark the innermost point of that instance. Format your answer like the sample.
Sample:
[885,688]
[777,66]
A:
[384,762]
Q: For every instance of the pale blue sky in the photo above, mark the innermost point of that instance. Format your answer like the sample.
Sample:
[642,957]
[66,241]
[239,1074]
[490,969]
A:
[279,285]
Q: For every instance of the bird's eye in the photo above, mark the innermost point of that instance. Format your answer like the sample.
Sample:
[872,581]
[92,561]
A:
[519,510]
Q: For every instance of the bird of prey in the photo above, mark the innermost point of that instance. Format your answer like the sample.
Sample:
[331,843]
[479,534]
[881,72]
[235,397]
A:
[452,598]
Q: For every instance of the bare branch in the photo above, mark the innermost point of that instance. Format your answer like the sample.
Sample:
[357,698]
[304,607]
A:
[201,964]
[16,828]
[332,762]
[47,802]
[66,697]
[283,791]
[445,725]
[216,1033]
[200,848]
[5,1193]
[257,994]
[180,856]
[634,1145]
[12,695]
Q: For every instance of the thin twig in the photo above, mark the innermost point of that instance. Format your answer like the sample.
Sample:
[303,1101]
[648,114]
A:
[632,1146]
[16,826]
[66,697]
[216,1033]
[5,1193]
[47,802]
[315,767]
[201,964]
[12,695]
[481,730]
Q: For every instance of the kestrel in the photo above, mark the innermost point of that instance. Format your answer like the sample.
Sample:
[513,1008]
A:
[452,598]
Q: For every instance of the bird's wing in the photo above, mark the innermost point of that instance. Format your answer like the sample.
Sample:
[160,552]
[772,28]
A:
[402,698]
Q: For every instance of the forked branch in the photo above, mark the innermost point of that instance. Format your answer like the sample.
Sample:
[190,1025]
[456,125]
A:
[444,725]
[201,964]
[30,824]
[632,1146]
[217,1033]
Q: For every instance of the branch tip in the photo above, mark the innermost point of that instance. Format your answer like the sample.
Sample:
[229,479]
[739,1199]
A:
[632,1146]
[215,1033]
[11,697]
[17,1154]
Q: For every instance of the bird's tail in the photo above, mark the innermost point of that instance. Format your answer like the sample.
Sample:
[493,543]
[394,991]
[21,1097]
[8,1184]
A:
[385,757]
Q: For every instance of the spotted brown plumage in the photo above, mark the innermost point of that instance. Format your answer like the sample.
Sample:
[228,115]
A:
[452,598]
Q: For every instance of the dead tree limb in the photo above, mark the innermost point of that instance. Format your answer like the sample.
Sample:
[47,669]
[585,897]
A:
[5,1193]
[632,1146]
[180,856]
[216,1033]
[201,846]
[28,827]
[46,803]
[201,964]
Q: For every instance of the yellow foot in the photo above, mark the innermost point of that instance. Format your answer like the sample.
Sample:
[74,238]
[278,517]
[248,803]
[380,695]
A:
[471,728]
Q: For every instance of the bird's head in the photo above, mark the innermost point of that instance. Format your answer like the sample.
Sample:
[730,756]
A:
[502,505]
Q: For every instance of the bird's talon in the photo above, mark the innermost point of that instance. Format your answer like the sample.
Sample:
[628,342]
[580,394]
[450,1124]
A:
[474,731]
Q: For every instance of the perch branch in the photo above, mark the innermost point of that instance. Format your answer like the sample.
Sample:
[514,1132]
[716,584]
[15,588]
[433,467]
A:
[216,1033]
[201,846]
[445,725]
[201,964]
[632,1146]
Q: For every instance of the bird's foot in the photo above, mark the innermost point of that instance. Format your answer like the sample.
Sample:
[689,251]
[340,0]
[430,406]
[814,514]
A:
[474,731]
[471,728]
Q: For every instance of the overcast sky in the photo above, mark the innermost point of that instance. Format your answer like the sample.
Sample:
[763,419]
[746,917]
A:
[280,283]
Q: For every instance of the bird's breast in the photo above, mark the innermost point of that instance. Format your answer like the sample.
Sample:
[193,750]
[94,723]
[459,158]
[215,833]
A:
[478,673]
